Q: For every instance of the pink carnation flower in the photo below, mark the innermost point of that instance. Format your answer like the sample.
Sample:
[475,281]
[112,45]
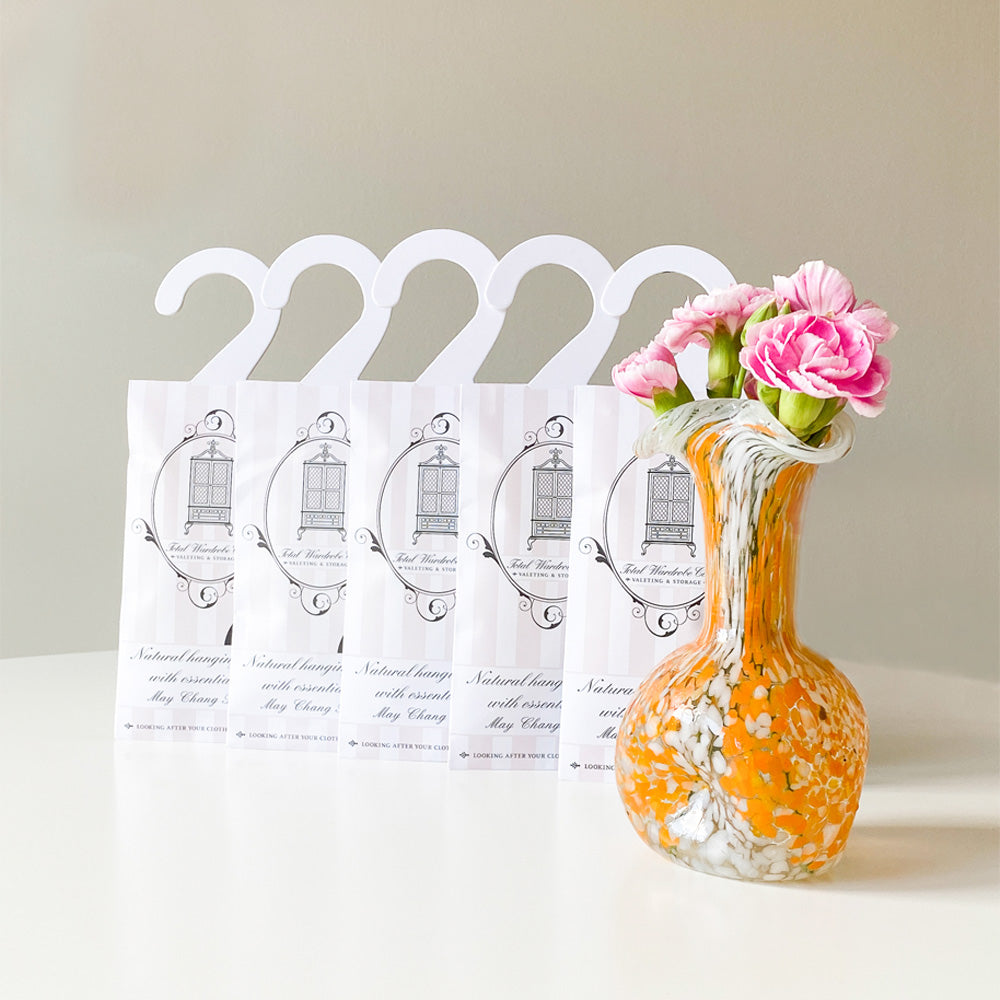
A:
[725,310]
[820,356]
[822,290]
[651,369]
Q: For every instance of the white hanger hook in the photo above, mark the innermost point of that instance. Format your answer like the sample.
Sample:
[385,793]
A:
[340,251]
[218,260]
[693,263]
[566,251]
[432,244]
[348,357]
[458,363]
[239,357]
[708,271]
[574,363]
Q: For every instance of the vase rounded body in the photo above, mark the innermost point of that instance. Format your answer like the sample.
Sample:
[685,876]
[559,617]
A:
[743,753]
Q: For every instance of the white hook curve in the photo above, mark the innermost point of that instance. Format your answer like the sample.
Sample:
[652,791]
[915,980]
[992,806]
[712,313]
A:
[458,363]
[708,271]
[348,357]
[693,263]
[574,363]
[239,357]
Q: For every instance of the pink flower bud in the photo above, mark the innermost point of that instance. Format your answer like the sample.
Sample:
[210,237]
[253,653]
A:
[647,371]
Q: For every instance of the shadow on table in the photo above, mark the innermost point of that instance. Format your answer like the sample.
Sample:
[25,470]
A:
[919,858]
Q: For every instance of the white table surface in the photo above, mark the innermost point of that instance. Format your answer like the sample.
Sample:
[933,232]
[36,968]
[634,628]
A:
[142,870]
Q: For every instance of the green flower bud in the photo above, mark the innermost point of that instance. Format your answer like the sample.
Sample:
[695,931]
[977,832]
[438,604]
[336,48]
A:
[798,412]
[767,311]
[831,407]
[723,358]
[769,396]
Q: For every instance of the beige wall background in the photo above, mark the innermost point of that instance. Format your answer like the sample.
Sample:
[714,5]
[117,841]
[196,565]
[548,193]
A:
[767,133]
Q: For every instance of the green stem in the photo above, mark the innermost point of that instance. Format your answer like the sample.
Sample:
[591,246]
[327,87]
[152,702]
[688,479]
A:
[721,388]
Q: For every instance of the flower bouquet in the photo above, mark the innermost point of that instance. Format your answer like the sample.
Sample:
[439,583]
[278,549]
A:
[744,752]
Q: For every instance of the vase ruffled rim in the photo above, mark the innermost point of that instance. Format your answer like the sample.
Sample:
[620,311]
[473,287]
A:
[669,432]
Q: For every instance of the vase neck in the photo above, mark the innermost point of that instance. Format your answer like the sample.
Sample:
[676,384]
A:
[752,499]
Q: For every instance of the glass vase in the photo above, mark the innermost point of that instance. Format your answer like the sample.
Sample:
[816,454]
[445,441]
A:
[743,753]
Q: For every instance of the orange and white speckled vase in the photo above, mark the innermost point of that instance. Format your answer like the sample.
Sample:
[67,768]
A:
[744,752]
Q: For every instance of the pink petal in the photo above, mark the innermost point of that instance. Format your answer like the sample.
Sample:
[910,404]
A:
[660,374]
[815,287]
[870,407]
[824,387]
[874,380]
[875,321]
[807,383]
[676,335]
[853,341]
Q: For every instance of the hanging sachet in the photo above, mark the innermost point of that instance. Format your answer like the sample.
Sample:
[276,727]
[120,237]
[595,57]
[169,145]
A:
[637,558]
[177,582]
[520,463]
[403,495]
[292,524]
